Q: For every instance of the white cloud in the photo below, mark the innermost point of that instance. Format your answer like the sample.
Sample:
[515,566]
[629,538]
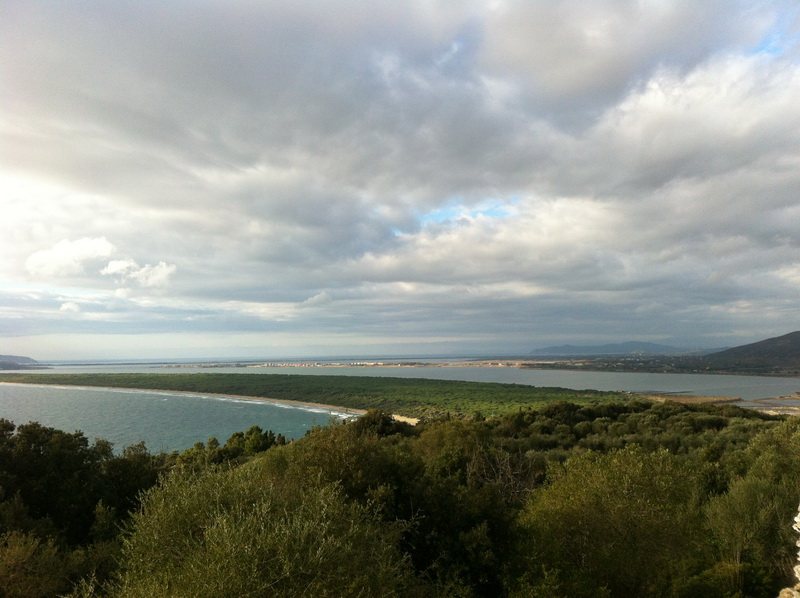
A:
[318,300]
[726,115]
[68,258]
[120,268]
[145,276]
[154,276]
[70,307]
[790,274]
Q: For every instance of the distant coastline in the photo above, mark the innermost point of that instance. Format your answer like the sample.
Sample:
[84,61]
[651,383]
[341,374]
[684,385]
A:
[651,364]
[348,364]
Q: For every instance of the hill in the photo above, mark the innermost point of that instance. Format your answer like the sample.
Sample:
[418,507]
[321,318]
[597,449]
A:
[16,362]
[626,348]
[780,354]
[17,359]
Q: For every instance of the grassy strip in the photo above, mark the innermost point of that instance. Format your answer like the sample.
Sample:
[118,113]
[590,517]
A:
[413,397]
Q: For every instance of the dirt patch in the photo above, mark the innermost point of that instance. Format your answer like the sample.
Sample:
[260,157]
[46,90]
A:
[689,399]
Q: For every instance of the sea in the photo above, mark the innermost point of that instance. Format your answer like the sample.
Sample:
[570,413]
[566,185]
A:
[170,421]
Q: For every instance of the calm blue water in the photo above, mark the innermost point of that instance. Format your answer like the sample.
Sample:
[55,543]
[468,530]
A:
[164,421]
[172,421]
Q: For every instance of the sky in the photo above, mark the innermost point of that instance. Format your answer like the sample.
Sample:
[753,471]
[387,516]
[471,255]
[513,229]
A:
[248,179]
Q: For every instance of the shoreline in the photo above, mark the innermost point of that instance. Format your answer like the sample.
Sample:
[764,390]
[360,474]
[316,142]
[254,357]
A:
[547,364]
[677,397]
[344,410]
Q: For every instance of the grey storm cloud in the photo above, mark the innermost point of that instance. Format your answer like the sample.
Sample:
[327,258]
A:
[275,175]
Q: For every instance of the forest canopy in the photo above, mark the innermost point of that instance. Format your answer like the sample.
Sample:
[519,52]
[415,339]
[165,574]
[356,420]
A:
[611,499]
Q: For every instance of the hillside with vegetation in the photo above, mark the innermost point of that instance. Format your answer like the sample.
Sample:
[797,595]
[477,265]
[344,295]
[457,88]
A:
[773,355]
[779,356]
[606,499]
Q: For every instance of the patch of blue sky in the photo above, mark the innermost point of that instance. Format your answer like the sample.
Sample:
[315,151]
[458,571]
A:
[495,209]
[455,210]
[781,37]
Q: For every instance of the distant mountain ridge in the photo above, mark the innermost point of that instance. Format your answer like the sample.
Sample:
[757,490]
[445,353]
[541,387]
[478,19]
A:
[626,348]
[777,354]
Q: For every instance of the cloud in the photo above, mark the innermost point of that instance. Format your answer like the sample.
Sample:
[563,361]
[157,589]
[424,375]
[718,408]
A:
[318,300]
[154,276]
[70,307]
[493,171]
[726,115]
[146,276]
[120,268]
[68,258]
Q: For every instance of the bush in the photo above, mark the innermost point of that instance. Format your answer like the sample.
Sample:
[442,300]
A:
[234,533]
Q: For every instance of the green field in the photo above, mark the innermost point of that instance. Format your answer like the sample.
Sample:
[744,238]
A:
[412,397]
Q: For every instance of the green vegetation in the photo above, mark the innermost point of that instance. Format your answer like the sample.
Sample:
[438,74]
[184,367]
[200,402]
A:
[62,500]
[413,397]
[240,533]
[607,499]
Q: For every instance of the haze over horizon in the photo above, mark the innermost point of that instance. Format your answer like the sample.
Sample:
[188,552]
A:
[277,179]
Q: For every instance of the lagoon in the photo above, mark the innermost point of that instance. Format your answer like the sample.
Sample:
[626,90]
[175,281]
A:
[715,385]
[174,421]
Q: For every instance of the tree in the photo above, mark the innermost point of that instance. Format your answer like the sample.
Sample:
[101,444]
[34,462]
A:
[751,523]
[30,567]
[626,521]
[237,533]
[57,475]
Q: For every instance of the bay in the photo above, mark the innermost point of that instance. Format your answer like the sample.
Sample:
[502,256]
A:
[165,421]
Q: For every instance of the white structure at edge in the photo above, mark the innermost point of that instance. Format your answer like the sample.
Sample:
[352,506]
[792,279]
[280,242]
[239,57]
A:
[794,592]
[796,527]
